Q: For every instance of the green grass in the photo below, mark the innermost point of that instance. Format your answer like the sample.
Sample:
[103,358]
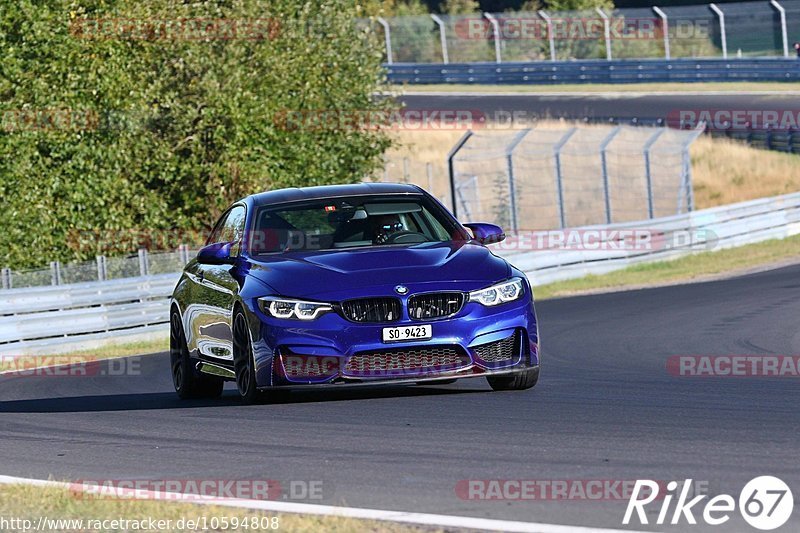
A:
[732,87]
[692,267]
[26,502]
[156,345]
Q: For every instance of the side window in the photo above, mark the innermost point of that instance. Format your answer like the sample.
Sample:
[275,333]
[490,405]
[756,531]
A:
[233,229]
[229,228]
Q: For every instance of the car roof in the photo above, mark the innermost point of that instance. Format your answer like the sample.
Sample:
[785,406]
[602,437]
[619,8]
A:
[330,191]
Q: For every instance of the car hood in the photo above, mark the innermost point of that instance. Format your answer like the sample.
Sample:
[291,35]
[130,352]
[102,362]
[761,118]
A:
[336,275]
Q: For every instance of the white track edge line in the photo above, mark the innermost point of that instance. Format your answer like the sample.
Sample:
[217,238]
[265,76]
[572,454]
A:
[423,519]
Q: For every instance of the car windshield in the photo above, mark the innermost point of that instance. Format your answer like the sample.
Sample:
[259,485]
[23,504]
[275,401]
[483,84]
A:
[329,224]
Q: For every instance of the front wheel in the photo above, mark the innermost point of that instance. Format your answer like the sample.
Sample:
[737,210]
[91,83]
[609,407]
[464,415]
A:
[518,381]
[187,381]
[243,363]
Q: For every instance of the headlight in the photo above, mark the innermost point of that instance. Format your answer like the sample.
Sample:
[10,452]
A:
[506,291]
[293,309]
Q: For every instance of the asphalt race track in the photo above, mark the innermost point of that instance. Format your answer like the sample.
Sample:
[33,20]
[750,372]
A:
[605,409]
[611,105]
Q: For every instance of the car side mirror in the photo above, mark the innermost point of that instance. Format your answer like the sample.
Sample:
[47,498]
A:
[486,233]
[218,253]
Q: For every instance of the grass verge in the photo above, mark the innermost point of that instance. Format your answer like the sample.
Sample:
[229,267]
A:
[732,87]
[30,503]
[112,351]
[704,265]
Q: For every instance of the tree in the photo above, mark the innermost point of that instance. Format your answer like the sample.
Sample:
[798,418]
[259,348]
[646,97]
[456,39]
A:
[153,116]
[459,7]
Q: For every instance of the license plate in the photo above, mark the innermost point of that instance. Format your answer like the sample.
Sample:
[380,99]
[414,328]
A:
[407,333]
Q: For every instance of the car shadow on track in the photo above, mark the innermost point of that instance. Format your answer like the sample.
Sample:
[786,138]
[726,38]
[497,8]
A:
[168,400]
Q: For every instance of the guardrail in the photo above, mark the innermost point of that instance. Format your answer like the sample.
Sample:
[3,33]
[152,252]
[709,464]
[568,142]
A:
[59,318]
[670,237]
[597,71]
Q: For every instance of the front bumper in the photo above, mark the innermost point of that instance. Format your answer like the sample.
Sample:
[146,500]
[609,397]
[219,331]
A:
[331,350]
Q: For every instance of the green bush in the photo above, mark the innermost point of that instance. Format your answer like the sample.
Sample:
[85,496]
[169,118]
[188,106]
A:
[127,125]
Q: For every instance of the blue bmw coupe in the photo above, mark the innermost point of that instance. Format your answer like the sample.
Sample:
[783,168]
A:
[349,284]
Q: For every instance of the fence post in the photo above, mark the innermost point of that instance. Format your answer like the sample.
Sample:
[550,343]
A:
[429,173]
[723,33]
[687,165]
[143,266]
[648,176]
[550,37]
[784,35]
[6,275]
[606,31]
[405,170]
[387,34]
[183,251]
[55,273]
[559,183]
[451,168]
[511,186]
[604,165]
[665,29]
[442,37]
[101,268]
[496,33]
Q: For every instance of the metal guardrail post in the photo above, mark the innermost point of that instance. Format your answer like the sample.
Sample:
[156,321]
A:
[102,273]
[723,33]
[784,33]
[183,252]
[648,176]
[429,174]
[144,269]
[550,37]
[606,31]
[664,28]
[387,34]
[496,32]
[442,37]
[55,273]
[604,165]
[511,184]
[5,273]
[559,182]
[451,167]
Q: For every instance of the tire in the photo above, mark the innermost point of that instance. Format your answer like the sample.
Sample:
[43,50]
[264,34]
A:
[243,363]
[519,381]
[188,382]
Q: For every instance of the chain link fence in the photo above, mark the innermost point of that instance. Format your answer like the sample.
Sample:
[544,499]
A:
[103,268]
[558,177]
[745,29]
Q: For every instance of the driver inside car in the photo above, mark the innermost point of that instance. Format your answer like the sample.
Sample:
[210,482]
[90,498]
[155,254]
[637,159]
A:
[384,226]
